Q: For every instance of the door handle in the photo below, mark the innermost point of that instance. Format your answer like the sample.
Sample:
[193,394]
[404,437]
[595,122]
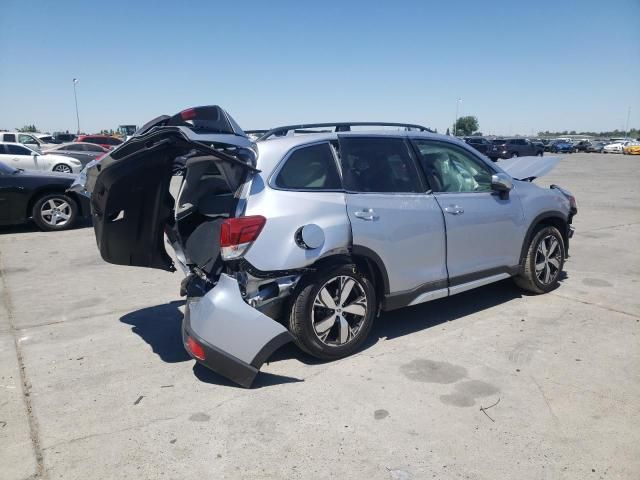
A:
[454,210]
[366,214]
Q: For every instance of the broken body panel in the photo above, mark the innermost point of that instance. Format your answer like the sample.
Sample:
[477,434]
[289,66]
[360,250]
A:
[133,210]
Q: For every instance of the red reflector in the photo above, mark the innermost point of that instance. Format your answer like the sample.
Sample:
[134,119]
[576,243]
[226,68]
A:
[195,348]
[236,231]
[188,114]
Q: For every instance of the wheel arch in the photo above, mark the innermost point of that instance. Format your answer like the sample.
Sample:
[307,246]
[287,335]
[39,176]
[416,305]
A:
[367,262]
[547,219]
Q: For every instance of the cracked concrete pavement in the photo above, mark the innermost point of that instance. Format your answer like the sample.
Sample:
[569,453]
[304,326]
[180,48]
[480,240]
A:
[94,382]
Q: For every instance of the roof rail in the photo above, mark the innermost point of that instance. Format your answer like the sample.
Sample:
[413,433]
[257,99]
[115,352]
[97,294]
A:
[336,127]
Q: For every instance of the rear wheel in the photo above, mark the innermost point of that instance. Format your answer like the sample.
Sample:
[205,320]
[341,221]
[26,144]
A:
[543,263]
[333,312]
[55,211]
[62,168]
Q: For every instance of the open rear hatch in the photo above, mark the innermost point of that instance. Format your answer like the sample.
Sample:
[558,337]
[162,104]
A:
[131,200]
[201,158]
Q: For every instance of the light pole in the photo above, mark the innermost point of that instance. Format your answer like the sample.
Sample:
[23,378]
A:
[455,124]
[626,127]
[75,96]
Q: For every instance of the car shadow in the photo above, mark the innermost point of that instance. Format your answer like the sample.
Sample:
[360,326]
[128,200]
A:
[160,326]
[30,227]
[263,379]
[408,320]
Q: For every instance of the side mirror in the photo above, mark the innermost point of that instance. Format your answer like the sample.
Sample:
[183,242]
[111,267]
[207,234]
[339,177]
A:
[501,183]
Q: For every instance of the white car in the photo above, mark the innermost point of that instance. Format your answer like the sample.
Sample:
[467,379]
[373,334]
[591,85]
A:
[615,147]
[21,156]
[31,140]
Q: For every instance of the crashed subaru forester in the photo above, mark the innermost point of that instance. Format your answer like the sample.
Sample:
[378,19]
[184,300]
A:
[307,235]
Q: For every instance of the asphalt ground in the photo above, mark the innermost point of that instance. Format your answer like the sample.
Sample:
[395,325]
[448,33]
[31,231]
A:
[488,384]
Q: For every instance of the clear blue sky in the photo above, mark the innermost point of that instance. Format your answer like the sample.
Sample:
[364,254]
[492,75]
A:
[518,66]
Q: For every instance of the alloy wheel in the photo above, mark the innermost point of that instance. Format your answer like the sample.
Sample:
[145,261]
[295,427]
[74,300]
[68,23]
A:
[62,168]
[339,310]
[55,212]
[548,259]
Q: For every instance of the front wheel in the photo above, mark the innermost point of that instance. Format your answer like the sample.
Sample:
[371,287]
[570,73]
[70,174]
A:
[332,312]
[543,263]
[55,211]
[62,168]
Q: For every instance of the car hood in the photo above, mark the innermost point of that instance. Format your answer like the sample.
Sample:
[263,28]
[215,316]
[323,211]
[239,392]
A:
[529,168]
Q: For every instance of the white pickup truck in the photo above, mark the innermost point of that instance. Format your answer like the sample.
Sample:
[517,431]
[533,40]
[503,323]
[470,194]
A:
[28,139]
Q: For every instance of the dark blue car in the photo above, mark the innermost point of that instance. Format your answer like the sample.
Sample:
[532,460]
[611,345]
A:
[561,147]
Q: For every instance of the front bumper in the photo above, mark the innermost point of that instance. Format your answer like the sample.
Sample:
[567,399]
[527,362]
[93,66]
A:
[236,338]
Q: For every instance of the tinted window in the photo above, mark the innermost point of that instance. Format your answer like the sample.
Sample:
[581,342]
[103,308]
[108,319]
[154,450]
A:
[378,165]
[108,141]
[18,150]
[93,148]
[451,169]
[6,169]
[498,142]
[310,168]
[9,137]
[74,148]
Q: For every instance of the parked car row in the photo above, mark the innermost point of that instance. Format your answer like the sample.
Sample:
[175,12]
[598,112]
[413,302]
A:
[40,142]
[502,148]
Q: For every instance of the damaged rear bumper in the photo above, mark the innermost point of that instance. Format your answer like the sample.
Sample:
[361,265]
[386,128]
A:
[235,338]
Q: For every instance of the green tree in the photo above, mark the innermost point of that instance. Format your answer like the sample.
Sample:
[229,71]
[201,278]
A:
[29,129]
[466,125]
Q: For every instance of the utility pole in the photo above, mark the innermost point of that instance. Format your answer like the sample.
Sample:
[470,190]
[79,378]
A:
[75,96]
[455,124]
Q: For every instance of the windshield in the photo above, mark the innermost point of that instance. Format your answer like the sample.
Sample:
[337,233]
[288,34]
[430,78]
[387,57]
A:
[6,169]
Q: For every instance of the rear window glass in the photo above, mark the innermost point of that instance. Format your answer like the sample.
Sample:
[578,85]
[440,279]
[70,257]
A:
[310,168]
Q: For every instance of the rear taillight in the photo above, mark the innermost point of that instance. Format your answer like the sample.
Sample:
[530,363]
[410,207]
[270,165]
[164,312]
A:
[188,114]
[237,235]
[195,348]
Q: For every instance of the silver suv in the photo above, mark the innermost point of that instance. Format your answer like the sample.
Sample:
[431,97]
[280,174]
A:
[307,237]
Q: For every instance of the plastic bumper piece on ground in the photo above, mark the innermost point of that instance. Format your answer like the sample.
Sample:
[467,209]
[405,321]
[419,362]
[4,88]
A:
[235,338]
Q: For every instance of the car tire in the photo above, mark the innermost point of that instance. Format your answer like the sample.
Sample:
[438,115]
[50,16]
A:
[62,168]
[331,336]
[546,248]
[55,211]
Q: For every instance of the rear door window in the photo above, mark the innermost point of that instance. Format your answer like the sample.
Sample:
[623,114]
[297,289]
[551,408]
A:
[379,164]
[18,150]
[9,137]
[74,148]
[92,148]
[310,168]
